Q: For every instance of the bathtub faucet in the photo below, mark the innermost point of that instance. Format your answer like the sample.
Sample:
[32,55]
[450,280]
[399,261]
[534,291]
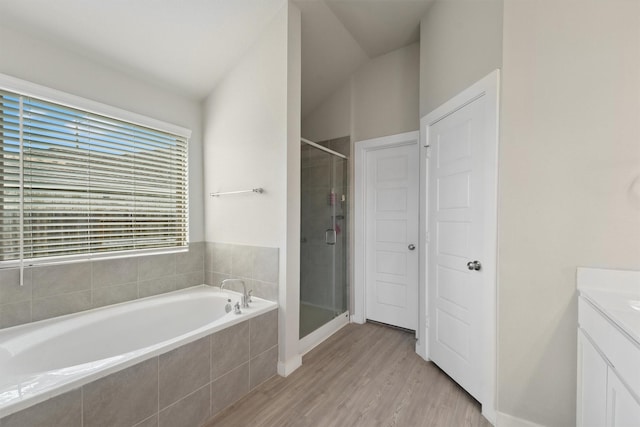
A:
[246,296]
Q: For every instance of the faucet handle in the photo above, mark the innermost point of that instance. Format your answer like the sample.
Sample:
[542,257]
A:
[237,308]
[249,295]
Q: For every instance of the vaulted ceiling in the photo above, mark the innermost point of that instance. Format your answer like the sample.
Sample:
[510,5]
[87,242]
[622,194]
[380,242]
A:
[190,44]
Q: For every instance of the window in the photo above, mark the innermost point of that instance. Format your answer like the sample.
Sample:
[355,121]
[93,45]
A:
[74,183]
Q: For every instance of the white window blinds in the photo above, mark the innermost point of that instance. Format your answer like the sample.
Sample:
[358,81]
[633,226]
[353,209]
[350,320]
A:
[76,183]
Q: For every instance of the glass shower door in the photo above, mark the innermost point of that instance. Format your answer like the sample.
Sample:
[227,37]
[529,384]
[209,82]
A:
[323,238]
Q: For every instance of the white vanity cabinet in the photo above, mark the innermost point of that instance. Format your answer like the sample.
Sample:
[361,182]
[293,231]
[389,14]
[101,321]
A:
[608,391]
[623,409]
[592,384]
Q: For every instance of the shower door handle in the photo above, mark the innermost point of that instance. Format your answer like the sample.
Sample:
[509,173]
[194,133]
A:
[330,236]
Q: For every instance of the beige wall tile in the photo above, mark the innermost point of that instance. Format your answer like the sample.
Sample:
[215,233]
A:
[59,411]
[60,305]
[15,314]
[61,279]
[189,279]
[265,264]
[184,370]
[263,366]
[10,289]
[242,258]
[221,257]
[229,349]
[157,286]
[229,388]
[193,410]
[114,294]
[190,261]
[264,332]
[149,422]
[124,398]
[114,272]
[154,266]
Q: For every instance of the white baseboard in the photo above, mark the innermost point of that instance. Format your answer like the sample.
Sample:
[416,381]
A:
[287,368]
[357,319]
[506,420]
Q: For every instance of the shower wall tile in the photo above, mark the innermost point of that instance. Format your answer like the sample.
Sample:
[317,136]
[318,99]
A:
[55,290]
[61,279]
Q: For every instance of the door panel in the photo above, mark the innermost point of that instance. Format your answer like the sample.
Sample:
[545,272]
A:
[456,221]
[391,267]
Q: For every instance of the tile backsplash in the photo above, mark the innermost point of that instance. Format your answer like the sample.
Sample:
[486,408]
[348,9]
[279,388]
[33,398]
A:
[56,290]
[258,266]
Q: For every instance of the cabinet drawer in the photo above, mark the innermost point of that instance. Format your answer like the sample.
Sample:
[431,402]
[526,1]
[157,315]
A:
[621,352]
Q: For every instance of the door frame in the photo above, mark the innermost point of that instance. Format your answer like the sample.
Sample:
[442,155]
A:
[359,214]
[489,88]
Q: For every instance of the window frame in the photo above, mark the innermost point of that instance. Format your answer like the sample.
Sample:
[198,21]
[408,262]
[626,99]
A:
[27,89]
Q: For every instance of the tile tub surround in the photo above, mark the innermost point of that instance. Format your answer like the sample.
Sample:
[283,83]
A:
[258,266]
[56,290]
[183,387]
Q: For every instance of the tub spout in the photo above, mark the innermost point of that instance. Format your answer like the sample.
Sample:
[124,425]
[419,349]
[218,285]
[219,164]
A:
[246,296]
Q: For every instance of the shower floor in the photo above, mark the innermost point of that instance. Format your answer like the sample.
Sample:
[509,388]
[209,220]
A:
[312,317]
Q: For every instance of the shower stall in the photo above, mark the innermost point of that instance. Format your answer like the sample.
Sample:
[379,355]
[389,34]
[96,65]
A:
[323,246]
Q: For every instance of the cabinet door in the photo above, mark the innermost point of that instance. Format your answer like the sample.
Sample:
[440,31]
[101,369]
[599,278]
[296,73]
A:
[623,410]
[592,385]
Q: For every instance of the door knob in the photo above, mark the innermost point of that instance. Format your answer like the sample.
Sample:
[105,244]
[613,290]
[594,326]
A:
[412,247]
[474,265]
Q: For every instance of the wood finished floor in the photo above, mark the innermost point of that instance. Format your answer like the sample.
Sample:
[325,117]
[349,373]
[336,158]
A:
[365,375]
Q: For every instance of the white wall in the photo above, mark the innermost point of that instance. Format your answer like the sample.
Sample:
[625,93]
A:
[245,145]
[332,118]
[252,139]
[385,95]
[38,61]
[460,42]
[381,98]
[569,157]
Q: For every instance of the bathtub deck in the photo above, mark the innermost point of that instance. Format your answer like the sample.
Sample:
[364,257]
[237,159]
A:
[365,375]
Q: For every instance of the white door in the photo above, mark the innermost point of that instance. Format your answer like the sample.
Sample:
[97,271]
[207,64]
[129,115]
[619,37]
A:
[455,248]
[391,235]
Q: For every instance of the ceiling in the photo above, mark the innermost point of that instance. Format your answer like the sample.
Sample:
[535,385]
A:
[190,44]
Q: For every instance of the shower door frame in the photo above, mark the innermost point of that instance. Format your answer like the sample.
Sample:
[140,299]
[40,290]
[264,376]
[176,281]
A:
[314,338]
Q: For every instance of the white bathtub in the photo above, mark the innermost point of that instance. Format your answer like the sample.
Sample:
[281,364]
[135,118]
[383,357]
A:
[43,359]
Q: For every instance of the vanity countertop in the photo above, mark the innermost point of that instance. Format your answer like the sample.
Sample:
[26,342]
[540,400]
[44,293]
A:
[616,293]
